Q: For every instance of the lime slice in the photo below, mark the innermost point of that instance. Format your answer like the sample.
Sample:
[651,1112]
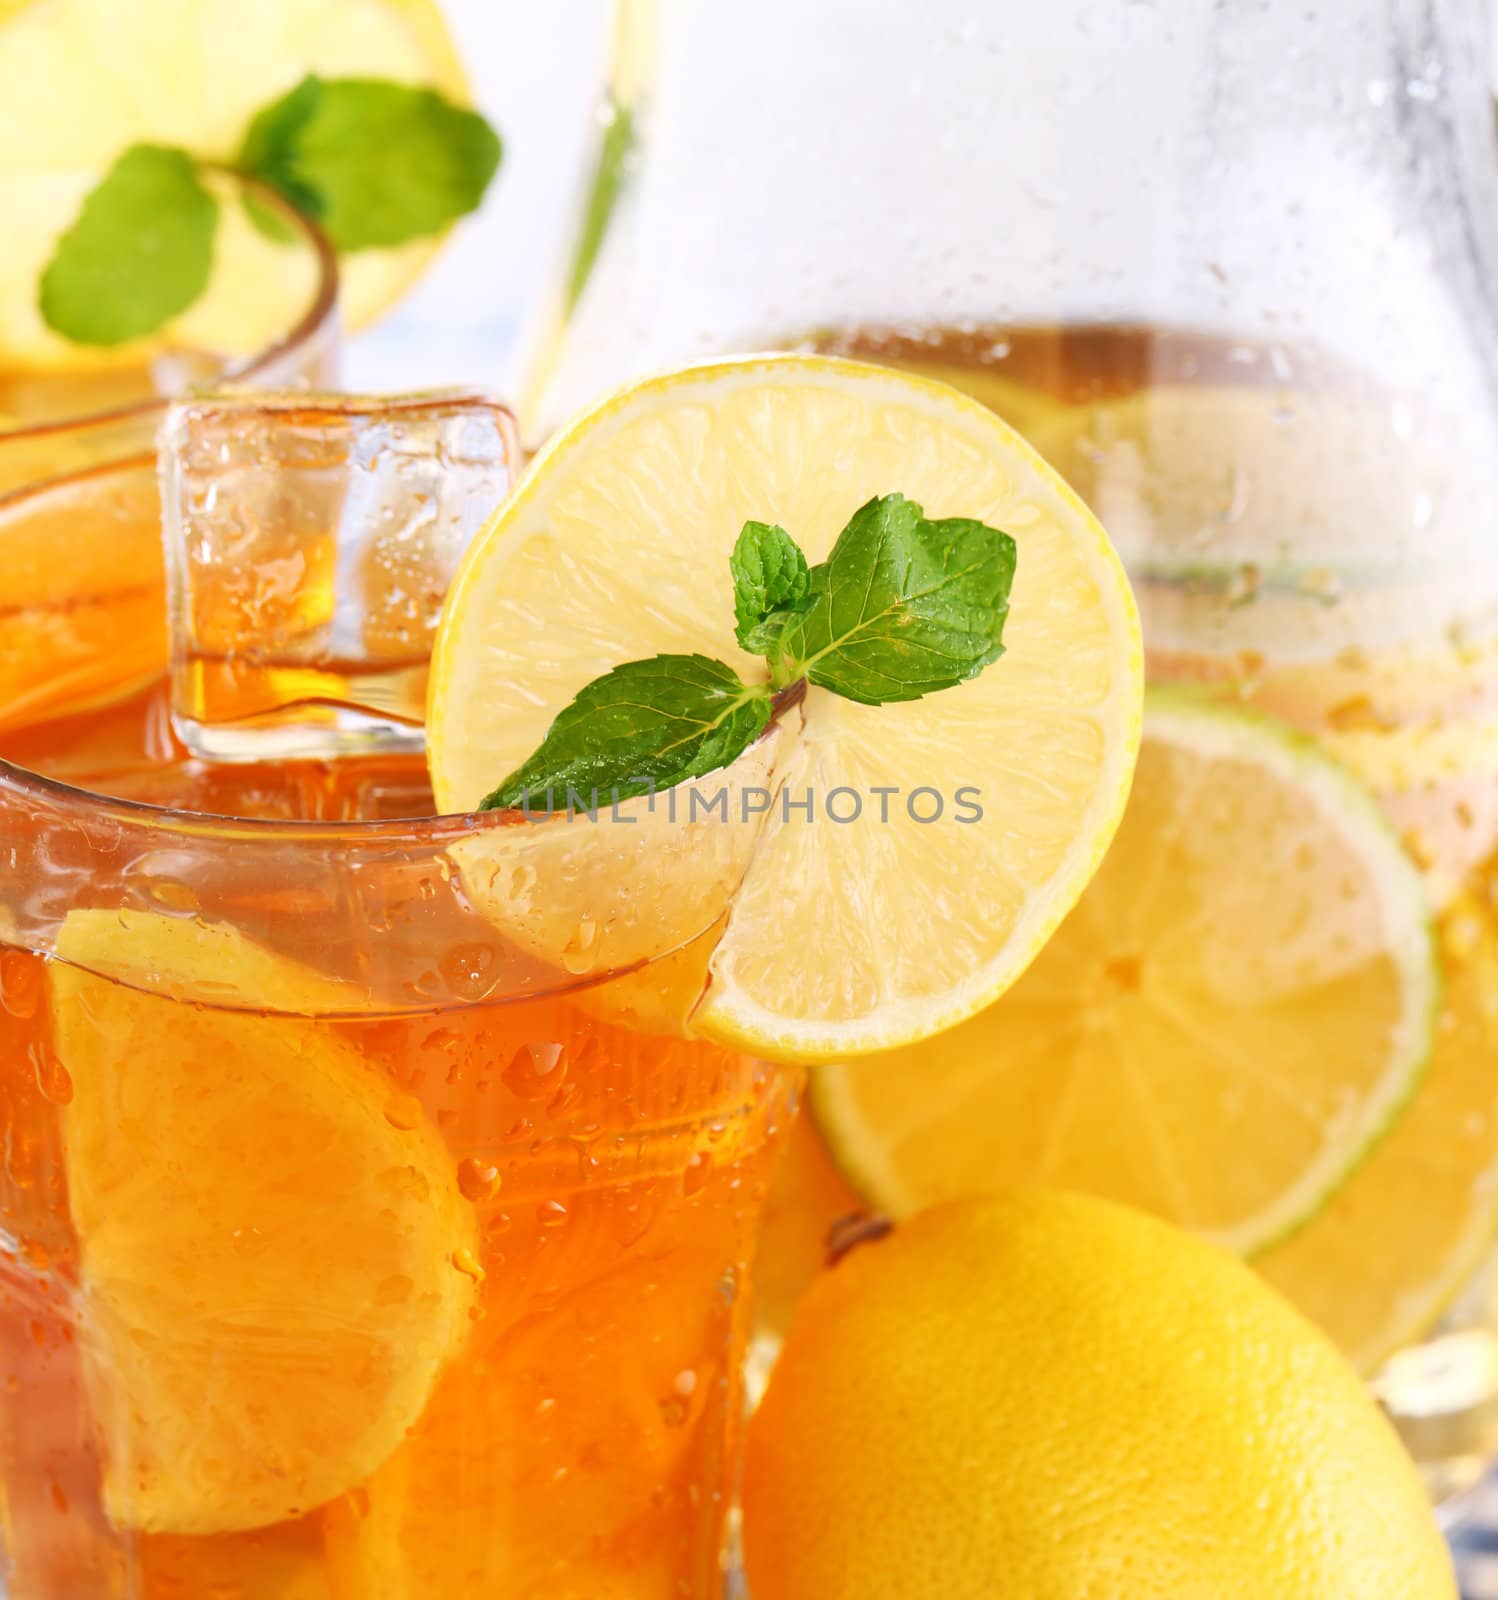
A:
[1401,1238]
[80,80]
[1239,1006]
[848,936]
[269,1285]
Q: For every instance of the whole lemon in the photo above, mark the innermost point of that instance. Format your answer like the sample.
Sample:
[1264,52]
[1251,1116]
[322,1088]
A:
[1051,1397]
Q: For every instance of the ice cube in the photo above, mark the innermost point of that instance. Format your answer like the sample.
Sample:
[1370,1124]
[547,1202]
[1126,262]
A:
[309,542]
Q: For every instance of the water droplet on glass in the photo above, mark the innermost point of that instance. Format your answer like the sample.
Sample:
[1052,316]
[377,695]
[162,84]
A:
[580,953]
[552,1214]
[477,1179]
[697,1171]
[175,896]
[468,1264]
[536,1071]
[403,1111]
[468,970]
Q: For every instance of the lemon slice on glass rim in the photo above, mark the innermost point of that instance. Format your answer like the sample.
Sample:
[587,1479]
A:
[842,936]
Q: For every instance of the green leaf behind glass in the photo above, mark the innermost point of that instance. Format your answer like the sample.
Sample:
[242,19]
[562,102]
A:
[375,163]
[902,606]
[140,251]
[644,726]
[603,195]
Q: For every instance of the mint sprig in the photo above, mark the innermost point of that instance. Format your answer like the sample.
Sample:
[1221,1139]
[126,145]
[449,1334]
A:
[375,164]
[902,607]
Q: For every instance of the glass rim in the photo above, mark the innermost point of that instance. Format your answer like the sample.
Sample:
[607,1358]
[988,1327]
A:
[335,861]
[313,320]
[428,829]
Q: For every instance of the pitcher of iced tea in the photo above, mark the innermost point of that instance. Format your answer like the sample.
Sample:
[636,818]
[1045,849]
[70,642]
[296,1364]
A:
[1233,271]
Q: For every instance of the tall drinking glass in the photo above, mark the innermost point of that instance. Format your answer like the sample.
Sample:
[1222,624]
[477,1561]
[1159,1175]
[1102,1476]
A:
[346,1250]
[367,1226]
[1232,270]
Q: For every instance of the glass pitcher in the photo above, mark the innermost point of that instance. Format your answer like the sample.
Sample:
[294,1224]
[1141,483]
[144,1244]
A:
[1232,270]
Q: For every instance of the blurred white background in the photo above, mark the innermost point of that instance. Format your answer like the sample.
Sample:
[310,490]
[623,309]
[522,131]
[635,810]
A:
[537,74]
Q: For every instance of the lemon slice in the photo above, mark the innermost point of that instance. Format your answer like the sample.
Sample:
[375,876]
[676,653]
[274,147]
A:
[269,1289]
[1241,1003]
[842,937]
[80,80]
[1399,1241]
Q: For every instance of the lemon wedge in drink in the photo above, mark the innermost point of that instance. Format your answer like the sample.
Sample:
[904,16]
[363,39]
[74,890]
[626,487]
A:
[842,936]
[81,80]
[268,1281]
[1239,1006]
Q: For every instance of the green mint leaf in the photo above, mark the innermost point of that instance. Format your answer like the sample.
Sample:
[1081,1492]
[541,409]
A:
[375,163]
[769,575]
[644,726]
[140,251]
[902,607]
